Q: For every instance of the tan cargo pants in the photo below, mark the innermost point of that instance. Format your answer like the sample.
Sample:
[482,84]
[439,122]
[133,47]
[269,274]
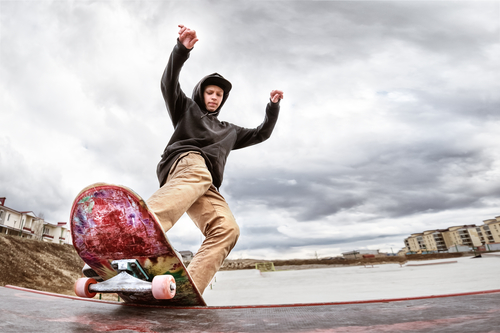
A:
[189,189]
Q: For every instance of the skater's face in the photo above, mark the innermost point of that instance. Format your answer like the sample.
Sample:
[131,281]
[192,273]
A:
[213,97]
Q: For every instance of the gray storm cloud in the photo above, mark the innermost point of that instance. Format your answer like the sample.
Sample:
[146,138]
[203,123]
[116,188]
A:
[389,124]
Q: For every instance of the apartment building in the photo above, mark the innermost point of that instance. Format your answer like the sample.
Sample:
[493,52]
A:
[415,242]
[28,225]
[489,232]
[464,236]
[55,233]
[440,244]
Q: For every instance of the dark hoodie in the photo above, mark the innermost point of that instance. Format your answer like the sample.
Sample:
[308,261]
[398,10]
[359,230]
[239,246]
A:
[196,129]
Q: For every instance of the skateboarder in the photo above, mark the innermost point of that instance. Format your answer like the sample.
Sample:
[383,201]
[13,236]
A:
[191,168]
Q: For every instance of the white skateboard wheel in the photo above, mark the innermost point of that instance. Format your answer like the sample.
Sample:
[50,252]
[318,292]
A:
[163,287]
[82,287]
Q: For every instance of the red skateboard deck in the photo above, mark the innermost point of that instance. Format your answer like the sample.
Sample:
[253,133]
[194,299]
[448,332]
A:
[111,222]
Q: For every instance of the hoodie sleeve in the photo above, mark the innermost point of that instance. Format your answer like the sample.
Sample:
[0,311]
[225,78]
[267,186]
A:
[248,137]
[174,97]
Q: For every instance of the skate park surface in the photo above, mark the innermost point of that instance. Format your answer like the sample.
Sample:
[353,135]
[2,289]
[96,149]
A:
[456,295]
[355,283]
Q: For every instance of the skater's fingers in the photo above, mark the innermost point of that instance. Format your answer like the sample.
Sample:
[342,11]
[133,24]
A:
[193,42]
[187,33]
[276,95]
[191,33]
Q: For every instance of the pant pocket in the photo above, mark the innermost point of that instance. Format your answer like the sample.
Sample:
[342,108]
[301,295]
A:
[176,163]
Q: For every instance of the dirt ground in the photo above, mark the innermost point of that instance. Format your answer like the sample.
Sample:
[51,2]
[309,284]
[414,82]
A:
[280,265]
[55,268]
[38,265]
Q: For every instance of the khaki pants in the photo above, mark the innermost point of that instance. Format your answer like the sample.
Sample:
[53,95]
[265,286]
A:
[189,189]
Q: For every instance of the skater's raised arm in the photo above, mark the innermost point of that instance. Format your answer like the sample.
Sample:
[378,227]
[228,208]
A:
[248,137]
[173,95]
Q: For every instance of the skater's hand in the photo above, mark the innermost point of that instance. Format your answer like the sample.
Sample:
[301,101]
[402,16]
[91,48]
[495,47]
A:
[187,37]
[276,95]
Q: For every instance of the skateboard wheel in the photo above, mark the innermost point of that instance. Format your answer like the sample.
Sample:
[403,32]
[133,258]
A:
[82,287]
[163,287]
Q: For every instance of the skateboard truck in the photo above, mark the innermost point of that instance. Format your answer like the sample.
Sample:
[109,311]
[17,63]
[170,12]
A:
[131,279]
[132,267]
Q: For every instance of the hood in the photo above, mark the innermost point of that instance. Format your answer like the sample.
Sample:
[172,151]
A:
[212,79]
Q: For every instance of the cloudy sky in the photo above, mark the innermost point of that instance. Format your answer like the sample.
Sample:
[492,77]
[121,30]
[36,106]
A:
[389,126]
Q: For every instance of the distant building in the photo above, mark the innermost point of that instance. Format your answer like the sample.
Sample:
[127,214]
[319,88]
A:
[186,255]
[455,239]
[489,232]
[403,251]
[441,240]
[55,233]
[358,254]
[434,241]
[415,242]
[28,225]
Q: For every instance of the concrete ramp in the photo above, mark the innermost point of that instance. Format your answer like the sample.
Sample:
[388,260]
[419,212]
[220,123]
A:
[354,283]
[24,310]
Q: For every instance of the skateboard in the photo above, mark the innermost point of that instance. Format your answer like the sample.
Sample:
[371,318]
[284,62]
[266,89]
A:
[116,234]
